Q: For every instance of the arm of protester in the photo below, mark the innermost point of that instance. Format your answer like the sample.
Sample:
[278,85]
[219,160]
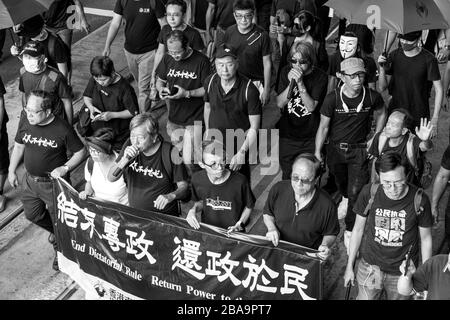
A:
[158,57]
[80,10]
[324,248]
[267,64]
[129,152]
[272,232]
[164,199]
[68,108]
[425,243]
[162,89]
[332,82]
[63,68]
[88,191]
[355,242]
[439,186]
[424,134]
[16,158]
[109,115]
[89,103]
[239,226]
[405,283]
[208,21]
[383,77]
[112,32]
[322,133]
[191,216]
[439,91]
[444,52]
[239,158]
[70,164]
[381,115]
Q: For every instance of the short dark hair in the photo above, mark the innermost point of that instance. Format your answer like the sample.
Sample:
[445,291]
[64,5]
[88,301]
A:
[102,66]
[180,3]
[178,35]
[243,5]
[306,49]
[213,147]
[312,158]
[151,125]
[48,99]
[407,120]
[389,161]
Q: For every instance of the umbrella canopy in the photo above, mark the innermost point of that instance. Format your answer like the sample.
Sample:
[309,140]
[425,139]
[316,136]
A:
[13,12]
[401,16]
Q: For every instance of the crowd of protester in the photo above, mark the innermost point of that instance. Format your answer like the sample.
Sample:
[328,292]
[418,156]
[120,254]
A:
[216,65]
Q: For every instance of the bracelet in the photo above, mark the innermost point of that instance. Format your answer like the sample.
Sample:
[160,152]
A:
[188,94]
[66,167]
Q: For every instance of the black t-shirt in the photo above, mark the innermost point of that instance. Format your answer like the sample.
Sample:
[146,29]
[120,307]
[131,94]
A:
[445,162]
[201,6]
[190,74]
[308,226]
[51,81]
[5,115]
[409,83]
[224,13]
[142,26]
[56,16]
[59,53]
[291,7]
[194,39]
[429,277]
[46,146]
[351,127]
[231,110]
[147,179]
[116,97]
[250,48]
[369,63]
[391,227]
[296,121]
[223,203]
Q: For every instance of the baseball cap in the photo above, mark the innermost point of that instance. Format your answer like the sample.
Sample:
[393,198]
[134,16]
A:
[352,65]
[411,36]
[225,51]
[33,48]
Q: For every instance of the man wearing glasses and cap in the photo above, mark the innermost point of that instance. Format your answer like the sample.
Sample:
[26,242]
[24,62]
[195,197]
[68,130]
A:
[346,118]
[43,141]
[398,218]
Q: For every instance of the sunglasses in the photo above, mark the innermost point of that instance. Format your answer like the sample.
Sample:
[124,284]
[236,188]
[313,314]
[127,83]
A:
[299,61]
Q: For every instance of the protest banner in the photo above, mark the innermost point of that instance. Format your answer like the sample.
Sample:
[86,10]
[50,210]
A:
[116,252]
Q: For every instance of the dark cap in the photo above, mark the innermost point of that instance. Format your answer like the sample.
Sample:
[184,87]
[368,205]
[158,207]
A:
[225,51]
[32,27]
[101,140]
[34,49]
[411,36]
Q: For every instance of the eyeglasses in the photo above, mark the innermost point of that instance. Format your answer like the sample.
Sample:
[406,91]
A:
[353,76]
[297,179]
[396,184]
[34,112]
[247,16]
[175,53]
[299,61]
[215,166]
[93,151]
[174,14]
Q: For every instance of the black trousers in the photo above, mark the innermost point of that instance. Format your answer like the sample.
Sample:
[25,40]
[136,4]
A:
[289,150]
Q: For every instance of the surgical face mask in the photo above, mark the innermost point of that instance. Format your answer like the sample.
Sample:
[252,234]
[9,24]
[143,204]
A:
[32,65]
[348,46]
[408,46]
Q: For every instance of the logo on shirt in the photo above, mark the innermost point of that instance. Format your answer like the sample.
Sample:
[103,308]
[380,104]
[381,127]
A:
[181,74]
[389,227]
[146,171]
[295,106]
[27,138]
[217,204]
[144,10]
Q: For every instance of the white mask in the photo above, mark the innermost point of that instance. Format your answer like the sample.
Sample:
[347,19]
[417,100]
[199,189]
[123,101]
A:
[348,46]
[31,65]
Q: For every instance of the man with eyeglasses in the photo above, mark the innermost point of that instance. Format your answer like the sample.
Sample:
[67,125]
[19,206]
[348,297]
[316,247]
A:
[223,198]
[252,45]
[180,78]
[298,211]
[346,118]
[395,226]
[43,140]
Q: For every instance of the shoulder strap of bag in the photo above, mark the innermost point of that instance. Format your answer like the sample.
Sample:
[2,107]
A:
[246,90]
[418,201]
[410,151]
[382,139]
[210,82]
[166,149]
[373,191]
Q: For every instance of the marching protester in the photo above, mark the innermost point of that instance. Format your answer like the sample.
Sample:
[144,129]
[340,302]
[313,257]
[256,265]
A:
[144,20]
[219,16]
[102,158]
[175,13]
[346,118]
[36,74]
[433,277]
[420,67]
[398,218]
[180,78]
[154,180]
[232,102]
[300,212]
[111,100]
[397,137]
[43,141]
[223,198]
[300,114]
[252,45]
[4,153]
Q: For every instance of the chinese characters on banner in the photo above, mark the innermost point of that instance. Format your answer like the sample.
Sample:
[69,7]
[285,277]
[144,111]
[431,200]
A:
[118,252]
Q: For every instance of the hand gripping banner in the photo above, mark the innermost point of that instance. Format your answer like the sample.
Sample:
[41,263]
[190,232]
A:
[115,252]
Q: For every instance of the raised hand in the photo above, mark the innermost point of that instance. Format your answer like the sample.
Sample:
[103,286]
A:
[425,130]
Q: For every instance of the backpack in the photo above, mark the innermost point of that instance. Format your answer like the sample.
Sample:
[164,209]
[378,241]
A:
[417,199]
[422,167]
[246,88]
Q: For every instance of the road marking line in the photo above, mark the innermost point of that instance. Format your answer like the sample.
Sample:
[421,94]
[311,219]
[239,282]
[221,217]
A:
[99,12]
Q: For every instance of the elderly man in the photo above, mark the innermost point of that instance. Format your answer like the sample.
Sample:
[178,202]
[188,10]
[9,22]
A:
[154,180]
[346,117]
[232,103]
[398,218]
[300,212]
[43,140]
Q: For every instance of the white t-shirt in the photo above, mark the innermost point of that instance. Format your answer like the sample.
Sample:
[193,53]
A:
[104,189]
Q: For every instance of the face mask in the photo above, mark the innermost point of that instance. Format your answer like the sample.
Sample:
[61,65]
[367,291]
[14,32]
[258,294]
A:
[348,46]
[31,65]
[408,46]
